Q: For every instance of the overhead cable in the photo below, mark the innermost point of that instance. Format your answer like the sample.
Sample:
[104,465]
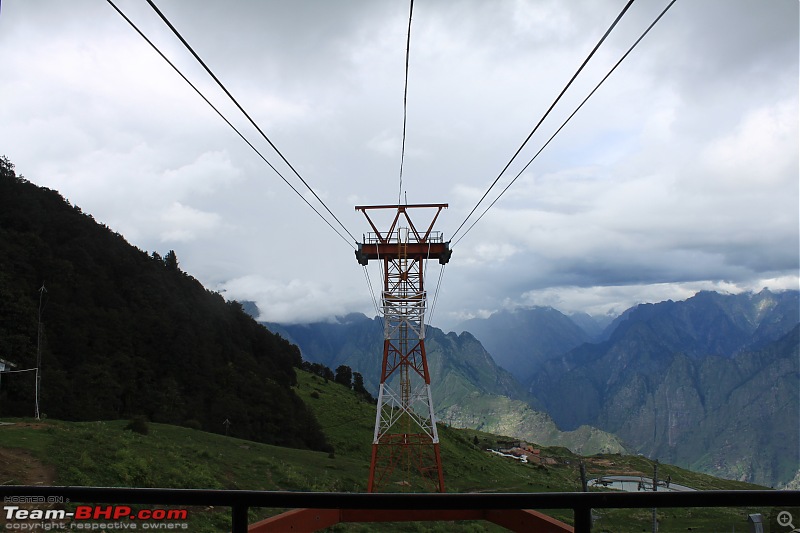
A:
[436,294]
[131,23]
[372,294]
[650,27]
[405,102]
[238,105]
[564,90]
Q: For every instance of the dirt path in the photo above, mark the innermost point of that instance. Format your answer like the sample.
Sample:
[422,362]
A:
[20,467]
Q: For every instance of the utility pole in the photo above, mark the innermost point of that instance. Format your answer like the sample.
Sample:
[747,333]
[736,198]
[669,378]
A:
[584,483]
[655,489]
[405,436]
[38,384]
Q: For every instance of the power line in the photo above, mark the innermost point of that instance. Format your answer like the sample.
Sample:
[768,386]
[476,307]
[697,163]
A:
[405,103]
[564,90]
[253,122]
[236,102]
[38,385]
[372,295]
[219,113]
[569,117]
[436,294]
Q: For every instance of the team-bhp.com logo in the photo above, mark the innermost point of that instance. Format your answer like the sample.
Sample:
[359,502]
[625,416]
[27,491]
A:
[94,517]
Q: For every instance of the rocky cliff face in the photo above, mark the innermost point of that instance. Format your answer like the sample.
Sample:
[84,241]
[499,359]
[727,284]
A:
[710,383]
[502,416]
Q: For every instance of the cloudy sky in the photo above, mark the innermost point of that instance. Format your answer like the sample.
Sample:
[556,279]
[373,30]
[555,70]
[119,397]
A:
[679,174]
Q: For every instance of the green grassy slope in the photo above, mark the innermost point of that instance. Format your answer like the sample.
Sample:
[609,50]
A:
[105,454]
[504,416]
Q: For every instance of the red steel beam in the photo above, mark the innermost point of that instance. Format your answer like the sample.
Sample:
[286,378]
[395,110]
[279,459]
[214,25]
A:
[309,520]
[526,520]
[414,250]
[402,207]
[298,520]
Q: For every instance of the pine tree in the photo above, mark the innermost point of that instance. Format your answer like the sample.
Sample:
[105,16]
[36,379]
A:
[344,376]
[171,260]
[6,167]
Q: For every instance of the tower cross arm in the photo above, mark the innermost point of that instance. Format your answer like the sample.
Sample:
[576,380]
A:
[402,209]
[384,245]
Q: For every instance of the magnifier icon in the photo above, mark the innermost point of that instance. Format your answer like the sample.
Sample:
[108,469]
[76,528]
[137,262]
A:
[785,519]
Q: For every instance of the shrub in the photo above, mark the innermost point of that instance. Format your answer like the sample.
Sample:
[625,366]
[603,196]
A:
[192,424]
[139,424]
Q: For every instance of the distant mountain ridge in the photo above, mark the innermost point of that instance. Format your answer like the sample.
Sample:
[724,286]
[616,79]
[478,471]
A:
[521,340]
[710,323]
[595,326]
[670,373]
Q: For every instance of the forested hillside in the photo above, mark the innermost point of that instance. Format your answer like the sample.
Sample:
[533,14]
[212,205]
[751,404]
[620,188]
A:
[127,333]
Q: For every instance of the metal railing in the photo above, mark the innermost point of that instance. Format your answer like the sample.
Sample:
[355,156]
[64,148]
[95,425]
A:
[240,501]
[373,238]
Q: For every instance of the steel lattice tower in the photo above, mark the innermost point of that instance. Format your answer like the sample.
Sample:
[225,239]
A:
[405,437]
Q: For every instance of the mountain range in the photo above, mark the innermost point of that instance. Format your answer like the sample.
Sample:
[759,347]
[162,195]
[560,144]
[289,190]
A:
[710,383]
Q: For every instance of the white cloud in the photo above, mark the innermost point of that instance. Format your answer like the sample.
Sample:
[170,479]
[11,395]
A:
[760,154]
[613,300]
[298,301]
[207,174]
[385,143]
[184,223]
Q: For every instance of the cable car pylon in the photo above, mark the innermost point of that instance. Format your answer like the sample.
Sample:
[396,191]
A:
[405,446]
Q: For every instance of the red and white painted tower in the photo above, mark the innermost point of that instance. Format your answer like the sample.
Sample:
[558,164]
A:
[405,446]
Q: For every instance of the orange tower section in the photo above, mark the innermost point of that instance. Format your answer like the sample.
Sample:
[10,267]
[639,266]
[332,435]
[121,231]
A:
[405,446]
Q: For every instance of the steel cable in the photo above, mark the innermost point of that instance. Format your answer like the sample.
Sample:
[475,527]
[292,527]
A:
[564,90]
[650,27]
[249,118]
[228,122]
